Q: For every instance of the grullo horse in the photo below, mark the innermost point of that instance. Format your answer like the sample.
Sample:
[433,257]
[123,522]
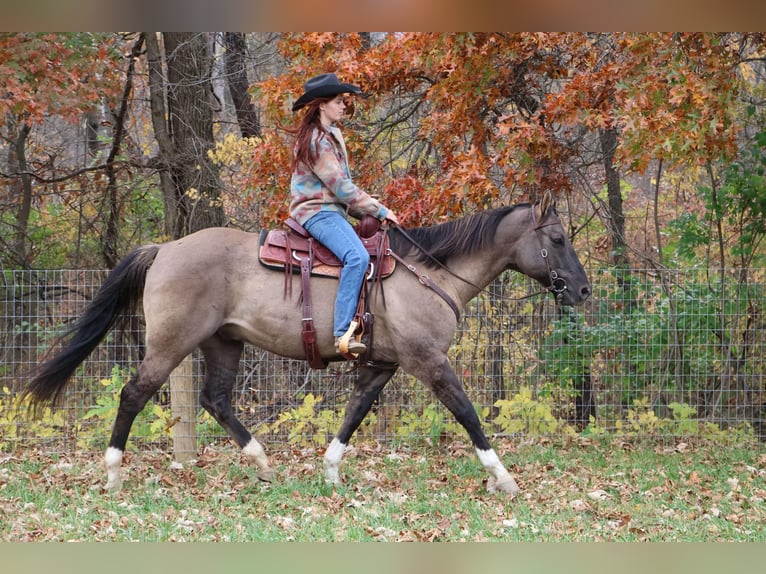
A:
[208,290]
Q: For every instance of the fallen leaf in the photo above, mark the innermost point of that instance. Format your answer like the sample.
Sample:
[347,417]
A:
[694,478]
[579,505]
[166,479]
[598,495]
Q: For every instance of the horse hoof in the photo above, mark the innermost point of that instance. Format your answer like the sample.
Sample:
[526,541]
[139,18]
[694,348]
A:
[113,486]
[332,476]
[267,475]
[505,484]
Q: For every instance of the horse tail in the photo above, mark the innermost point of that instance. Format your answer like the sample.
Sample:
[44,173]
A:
[116,299]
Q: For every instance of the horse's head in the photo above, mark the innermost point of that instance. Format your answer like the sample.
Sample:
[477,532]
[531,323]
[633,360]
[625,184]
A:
[546,254]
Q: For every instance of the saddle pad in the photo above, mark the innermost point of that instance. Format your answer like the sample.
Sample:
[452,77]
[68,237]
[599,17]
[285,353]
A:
[274,253]
[278,240]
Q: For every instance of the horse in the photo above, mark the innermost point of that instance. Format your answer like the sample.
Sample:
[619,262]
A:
[208,290]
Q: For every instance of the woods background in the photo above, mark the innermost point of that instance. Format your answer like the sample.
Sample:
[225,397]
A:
[653,144]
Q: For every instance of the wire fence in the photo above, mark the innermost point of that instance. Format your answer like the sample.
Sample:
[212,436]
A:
[661,354]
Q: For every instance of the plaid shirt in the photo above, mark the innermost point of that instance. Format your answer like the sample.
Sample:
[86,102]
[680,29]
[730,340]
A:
[327,185]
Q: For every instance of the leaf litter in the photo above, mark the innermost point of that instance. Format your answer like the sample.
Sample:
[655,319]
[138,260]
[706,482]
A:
[569,491]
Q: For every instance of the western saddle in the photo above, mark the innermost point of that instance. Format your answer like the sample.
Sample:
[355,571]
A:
[293,251]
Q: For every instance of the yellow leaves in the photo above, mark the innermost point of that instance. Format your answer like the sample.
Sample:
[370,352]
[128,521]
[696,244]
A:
[233,150]
[523,414]
[16,421]
[642,419]
[433,423]
[306,420]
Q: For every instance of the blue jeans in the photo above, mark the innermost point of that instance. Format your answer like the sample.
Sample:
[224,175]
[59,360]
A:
[334,231]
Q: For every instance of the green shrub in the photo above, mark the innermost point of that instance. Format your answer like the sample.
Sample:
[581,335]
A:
[151,424]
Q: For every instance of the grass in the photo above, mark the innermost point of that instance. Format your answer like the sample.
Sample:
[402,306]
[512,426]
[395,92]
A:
[581,490]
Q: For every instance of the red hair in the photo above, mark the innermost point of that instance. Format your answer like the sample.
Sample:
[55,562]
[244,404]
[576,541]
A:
[304,132]
[311,119]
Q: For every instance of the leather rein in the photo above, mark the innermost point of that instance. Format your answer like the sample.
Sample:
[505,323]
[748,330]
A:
[557,287]
[426,280]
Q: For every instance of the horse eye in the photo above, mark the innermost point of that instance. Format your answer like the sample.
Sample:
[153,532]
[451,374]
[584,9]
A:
[557,240]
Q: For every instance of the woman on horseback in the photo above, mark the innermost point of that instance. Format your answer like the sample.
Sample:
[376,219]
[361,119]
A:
[323,193]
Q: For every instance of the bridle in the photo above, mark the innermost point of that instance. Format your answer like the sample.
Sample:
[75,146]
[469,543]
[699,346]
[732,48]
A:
[557,287]
[558,284]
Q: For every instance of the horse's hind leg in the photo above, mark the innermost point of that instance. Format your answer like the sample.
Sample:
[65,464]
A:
[133,398]
[449,391]
[368,385]
[221,366]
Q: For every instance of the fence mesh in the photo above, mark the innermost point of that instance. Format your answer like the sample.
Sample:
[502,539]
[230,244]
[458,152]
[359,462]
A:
[651,353]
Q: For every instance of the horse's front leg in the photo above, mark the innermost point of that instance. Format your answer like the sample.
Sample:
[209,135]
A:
[449,391]
[368,385]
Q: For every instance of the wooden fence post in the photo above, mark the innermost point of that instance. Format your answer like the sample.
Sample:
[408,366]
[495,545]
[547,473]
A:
[183,401]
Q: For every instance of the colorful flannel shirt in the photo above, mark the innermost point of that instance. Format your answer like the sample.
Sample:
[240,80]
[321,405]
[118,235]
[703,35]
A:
[327,184]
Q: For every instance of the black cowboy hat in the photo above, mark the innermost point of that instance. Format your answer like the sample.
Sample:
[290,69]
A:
[323,86]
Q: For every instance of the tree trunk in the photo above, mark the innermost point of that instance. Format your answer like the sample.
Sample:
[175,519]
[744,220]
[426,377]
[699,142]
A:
[608,140]
[21,190]
[110,235]
[235,60]
[182,116]
[173,207]
[190,105]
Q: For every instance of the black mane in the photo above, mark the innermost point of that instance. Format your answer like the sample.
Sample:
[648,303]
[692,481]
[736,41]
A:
[453,238]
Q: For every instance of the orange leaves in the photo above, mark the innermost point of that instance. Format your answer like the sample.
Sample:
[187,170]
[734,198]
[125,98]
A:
[494,116]
[61,74]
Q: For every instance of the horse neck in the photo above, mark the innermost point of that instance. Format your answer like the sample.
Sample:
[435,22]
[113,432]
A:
[482,267]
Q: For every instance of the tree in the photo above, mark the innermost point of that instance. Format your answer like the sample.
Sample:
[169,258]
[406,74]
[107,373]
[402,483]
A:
[455,122]
[46,78]
[235,59]
[182,116]
[110,236]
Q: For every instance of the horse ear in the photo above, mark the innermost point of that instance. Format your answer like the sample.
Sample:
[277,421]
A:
[545,203]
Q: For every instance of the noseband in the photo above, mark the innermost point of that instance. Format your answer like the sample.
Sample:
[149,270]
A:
[558,284]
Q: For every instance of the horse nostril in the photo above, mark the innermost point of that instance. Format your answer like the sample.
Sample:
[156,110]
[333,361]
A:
[585,292]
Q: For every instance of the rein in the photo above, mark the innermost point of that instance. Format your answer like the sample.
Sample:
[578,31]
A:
[426,281]
[409,238]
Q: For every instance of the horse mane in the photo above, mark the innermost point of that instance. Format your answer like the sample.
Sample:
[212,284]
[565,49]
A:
[458,237]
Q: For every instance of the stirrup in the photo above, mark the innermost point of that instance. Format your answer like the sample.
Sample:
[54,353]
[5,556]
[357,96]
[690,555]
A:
[346,346]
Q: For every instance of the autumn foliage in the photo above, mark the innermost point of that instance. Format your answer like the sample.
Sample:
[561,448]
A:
[454,122]
[459,122]
[47,75]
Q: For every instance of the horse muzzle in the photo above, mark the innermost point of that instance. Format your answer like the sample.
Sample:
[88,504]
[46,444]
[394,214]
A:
[565,294]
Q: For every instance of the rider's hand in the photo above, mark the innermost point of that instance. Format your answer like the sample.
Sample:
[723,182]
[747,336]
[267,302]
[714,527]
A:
[391,218]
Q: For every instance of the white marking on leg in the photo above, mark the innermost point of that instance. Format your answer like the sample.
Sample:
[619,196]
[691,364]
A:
[254,452]
[332,458]
[113,460]
[503,479]
[491,462]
